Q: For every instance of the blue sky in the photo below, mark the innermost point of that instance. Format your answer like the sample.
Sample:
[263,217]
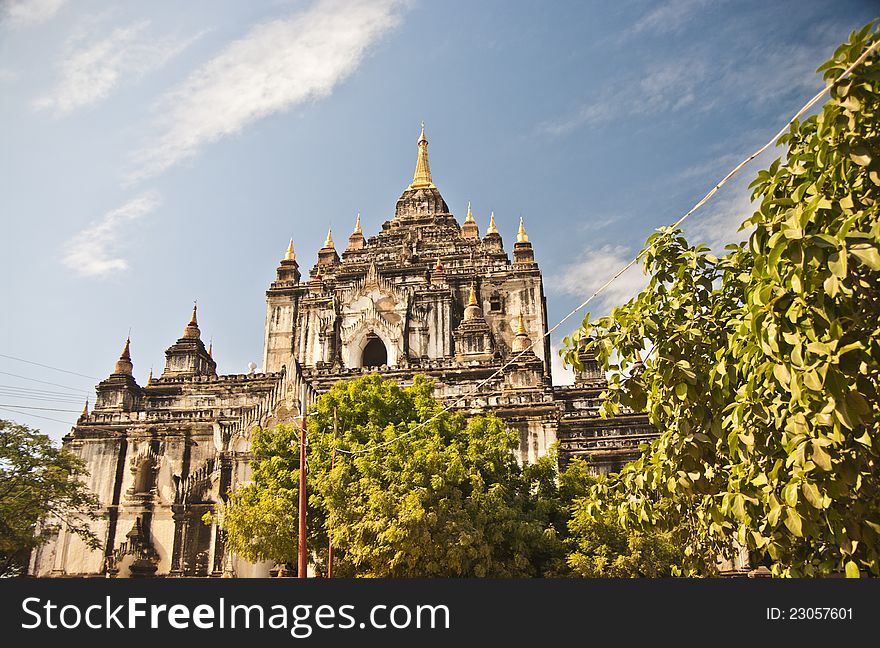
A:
[156,153]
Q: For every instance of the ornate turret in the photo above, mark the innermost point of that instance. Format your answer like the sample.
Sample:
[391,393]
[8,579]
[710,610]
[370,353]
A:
[491,229]
[522,249]
[473,340]
[188,356]
[288,269]
[590,373]
[521,341]
[421,200]
[120,391]
[525,368]
[492,241]
[356,240]
[472,310]
[327,254]
[192,329]
[123,365]
[470,230]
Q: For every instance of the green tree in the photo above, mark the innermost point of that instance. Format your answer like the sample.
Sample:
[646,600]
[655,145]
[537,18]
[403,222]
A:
[41,487]
[438,497]
[600,546]
[763,378]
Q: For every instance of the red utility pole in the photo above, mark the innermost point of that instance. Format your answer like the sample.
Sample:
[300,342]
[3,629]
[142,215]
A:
[302,566]
[332,461]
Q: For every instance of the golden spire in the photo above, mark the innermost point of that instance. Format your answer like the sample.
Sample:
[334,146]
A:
[492,229]
[211,349]
[520,326]
[329,242]
[472,298]
[85,412]
[150,379]
[192,329]
[290,255]
[123,365]
[357,225]
[521,236]
[422,176]
[470,214]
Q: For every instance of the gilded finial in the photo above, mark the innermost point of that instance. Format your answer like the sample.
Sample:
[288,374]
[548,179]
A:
[470,215]
[329,242]
[192,329]
[123,365]
[150,378]
[422,175]
[521,236]
[357,225]
[520,326]
[126,350]
[492,229]
[85,411]
[290,255]
[472,298]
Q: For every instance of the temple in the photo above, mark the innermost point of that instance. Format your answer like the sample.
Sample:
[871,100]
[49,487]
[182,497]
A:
[424,295]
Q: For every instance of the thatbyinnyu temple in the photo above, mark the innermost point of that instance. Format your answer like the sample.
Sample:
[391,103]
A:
[425,295]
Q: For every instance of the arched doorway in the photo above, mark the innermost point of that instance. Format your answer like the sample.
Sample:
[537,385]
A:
[375,353]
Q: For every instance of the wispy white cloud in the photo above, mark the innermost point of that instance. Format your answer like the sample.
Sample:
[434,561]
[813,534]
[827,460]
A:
[91,69]
[595,267]
[96,250]
[761,74]
[718,223]
[29,12]
[664,87]
[275,66]
[668,17]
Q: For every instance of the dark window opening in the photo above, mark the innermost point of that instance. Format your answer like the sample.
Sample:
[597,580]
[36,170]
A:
[375,354]
[143,480]
[495,303]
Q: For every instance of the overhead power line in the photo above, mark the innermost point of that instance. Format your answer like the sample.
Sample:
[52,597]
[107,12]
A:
[40,392]
[45,418]
[812,102]
[47,409]
[45,366]
[45,382]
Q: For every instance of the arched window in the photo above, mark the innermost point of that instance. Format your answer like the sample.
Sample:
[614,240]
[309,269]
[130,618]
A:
[143,478]
[375,353]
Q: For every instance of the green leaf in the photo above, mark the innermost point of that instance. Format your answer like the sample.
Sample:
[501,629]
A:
[820,457]
[867,254]
[860,155]
[812,495]
[837,264]
[793,522]
[852,569]
[790,494]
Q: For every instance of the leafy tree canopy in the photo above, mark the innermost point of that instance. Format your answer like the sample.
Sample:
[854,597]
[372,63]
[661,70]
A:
[40,488]
[442,497]
[763,377]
